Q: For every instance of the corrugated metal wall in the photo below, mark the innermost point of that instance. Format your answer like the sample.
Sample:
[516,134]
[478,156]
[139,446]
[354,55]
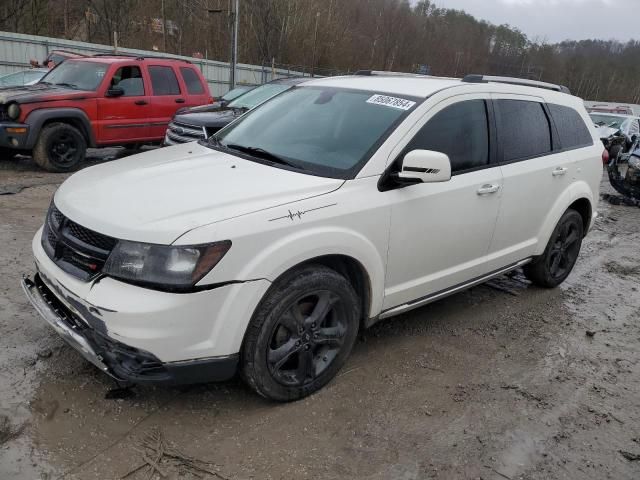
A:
[17,49]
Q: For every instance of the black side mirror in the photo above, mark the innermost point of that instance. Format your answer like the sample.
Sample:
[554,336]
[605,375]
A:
[115,92]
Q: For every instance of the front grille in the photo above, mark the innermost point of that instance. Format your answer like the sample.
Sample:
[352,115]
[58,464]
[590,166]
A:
[179,132]
[77,250]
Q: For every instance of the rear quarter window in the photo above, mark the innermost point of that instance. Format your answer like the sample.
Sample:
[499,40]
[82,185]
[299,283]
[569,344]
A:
[524,129]
[192,81]
[572,131]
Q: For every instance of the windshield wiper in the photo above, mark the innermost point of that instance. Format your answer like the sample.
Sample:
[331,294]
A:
[64,84]
[261,153]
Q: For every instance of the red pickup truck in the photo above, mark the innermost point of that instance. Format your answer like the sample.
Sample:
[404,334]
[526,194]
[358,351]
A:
[96,102]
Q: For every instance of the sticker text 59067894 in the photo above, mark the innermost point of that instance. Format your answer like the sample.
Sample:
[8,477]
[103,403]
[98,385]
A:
[393,102]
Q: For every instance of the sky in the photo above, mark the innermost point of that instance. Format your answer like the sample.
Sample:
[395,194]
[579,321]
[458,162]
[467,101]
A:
[556,20]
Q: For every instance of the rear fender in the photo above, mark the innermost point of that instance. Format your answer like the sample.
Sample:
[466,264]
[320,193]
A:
[576,191]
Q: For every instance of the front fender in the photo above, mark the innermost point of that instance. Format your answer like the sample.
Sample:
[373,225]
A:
[576,191]
[37,118]
[301,246]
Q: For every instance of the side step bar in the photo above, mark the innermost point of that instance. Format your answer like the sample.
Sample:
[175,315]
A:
[450,291]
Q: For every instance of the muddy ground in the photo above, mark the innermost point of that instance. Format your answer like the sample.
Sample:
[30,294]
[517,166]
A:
[504,381]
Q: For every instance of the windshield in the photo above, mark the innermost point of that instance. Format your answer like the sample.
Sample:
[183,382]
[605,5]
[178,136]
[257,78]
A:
[611,121]
[80,75]
[258,95]
[327,131]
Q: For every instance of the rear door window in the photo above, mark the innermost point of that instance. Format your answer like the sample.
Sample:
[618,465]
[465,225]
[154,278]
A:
[192,81]
[571,128]
[524,129]
[164,80]
[459,130]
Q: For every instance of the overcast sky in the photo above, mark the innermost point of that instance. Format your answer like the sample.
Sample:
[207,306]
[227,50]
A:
[557,20]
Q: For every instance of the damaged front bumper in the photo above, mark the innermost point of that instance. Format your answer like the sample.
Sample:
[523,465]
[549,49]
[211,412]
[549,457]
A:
[122,362]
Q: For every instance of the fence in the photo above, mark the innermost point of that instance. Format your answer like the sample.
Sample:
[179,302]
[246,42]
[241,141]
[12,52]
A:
[17,49]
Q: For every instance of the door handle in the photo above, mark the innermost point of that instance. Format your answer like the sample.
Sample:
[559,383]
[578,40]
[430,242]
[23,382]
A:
[559,171]
[140,102]
[488,189]
[179,100]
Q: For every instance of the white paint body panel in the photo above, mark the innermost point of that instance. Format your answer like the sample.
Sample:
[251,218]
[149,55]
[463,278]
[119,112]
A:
[411,242]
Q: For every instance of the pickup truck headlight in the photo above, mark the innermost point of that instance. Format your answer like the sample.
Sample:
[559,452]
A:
[164,266]
[13,111]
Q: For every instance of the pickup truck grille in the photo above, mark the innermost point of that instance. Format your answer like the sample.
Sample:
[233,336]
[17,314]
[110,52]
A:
[77,250]
[178,132]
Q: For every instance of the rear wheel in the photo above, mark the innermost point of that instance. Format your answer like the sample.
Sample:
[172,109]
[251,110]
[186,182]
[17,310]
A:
[552,267]
[60,148]
[301,334]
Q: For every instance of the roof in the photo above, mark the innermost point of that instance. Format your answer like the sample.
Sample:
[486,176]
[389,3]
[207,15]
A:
[423,86]
[110,59]
[414,85]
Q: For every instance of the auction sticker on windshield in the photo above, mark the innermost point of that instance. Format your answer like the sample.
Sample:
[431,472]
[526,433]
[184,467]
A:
[394,102]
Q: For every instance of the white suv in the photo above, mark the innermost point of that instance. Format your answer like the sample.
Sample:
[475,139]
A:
[338,203]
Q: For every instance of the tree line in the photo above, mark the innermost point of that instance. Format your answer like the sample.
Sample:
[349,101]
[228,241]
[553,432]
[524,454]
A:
[339,36]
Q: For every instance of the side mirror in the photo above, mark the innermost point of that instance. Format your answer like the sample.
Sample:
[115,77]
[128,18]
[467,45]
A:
[424,166]
[115,92]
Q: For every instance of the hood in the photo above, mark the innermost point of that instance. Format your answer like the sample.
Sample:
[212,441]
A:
[209,107]
[215,119]
[606,132]
[38,93]
[159,195]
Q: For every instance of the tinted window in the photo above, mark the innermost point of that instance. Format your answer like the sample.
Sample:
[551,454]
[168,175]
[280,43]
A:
[129,79]
[572,131]
[164,81]
[461,131]
[524,129]
[192,81]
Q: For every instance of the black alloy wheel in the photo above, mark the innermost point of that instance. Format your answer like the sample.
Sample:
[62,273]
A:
[301,333]
[565,249]
[307,338]
[556,263]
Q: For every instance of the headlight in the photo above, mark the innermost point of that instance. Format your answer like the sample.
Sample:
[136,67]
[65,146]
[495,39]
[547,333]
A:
[166,267]
[13,111]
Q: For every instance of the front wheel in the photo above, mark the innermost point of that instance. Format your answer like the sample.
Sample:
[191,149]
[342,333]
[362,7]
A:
[301,334]
[553,267]
[60,148]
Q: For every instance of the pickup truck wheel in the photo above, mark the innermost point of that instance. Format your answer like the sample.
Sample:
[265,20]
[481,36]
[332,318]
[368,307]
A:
[552,267]
[301,334]
[60,148]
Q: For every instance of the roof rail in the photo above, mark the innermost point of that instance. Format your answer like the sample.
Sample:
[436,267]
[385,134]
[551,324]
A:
[516,81]
[141,57]
[381,73]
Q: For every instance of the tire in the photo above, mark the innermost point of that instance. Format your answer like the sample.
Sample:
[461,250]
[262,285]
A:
[615,151]
[60,148]
[556,263]
[7,153]
[301,333]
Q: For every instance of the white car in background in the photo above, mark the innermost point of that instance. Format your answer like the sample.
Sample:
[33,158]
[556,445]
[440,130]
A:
[336,204]
[25,77]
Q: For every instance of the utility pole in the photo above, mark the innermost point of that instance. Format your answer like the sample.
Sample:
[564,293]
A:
[164,28]
[234,16]
[315,41]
